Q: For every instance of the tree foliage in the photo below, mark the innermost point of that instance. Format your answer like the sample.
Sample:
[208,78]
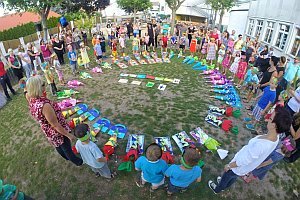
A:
[174,5]
[132,6]
[42,7]
[221,6]
[88,6]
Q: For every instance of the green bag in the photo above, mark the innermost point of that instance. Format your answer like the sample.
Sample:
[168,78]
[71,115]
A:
[125,166]
[236,114]
[234,130]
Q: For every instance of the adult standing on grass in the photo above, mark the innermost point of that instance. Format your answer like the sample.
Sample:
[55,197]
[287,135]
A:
[58,46]
[15,64]
[5,82]
[255,152]
[190,33]
[26,62]
[48,114]
[151,35]
[157,31]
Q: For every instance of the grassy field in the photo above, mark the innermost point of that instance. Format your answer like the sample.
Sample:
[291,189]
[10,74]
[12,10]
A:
[30,162]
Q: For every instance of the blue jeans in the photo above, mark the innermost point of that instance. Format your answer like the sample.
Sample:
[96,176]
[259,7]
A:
[228,178]
[65,150]
[28,70]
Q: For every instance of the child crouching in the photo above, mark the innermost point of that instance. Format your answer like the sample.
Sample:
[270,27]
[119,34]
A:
[181,176]
[90,153]
[152,167]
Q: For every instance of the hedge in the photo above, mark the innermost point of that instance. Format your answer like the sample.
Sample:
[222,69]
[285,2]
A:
[25,29]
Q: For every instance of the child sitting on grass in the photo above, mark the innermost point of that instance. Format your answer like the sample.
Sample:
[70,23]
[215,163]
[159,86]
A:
[181,176]
[266,99]
[152,167]
[90,153]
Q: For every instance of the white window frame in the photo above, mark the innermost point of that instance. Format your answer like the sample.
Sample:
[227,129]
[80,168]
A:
[297,37]
[259,27]
[269,36]
[250,26]
[283,33]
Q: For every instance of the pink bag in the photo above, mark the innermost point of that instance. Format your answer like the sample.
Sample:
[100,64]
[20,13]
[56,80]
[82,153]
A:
[74,84]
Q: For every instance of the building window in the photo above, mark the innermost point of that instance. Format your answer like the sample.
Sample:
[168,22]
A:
[269,32]
[282,36]
[259,26]
[296,46]
[162,8]
[250,26]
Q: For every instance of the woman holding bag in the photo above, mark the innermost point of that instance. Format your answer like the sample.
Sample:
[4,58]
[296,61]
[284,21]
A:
[15,64]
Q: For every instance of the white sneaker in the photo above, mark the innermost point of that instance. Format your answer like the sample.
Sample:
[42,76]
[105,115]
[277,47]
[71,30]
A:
[212,186]
[219,179]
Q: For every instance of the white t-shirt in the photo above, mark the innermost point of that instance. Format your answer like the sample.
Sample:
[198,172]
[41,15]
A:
[57,65]
[25,56]
[90,153]
[122,42]
[252,155]
[293,103]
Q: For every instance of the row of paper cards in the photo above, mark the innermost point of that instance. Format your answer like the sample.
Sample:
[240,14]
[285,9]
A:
[161,87]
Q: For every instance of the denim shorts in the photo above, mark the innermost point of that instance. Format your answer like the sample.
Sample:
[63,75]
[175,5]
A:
[175,189]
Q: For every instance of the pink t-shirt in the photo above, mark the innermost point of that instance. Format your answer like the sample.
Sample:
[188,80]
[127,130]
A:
[46,51]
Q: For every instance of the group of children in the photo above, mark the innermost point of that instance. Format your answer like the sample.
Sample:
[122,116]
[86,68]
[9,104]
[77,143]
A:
[153,169]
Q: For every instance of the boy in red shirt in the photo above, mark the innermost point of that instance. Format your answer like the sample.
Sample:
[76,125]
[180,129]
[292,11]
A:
[165,43]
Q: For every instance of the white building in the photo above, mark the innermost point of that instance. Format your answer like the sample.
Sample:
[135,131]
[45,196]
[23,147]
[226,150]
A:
[191,10]
[276,23]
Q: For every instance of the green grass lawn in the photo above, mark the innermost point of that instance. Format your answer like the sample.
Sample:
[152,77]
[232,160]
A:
[28,160]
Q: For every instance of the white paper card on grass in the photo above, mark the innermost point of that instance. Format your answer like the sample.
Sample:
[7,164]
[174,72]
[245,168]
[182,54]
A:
[123,75]
[222,153]
[136,82]
[122,80]
[176,81]
[162,87]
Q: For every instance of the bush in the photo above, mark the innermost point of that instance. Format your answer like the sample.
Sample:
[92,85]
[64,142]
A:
[25,29]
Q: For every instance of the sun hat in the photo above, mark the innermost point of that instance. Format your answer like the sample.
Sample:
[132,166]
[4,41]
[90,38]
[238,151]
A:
[9,50]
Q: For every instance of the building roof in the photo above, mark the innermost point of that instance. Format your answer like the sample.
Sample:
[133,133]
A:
[13,20]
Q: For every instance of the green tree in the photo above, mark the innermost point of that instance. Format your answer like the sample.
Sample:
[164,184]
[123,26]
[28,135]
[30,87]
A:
[133,6]
[225,5]
[174,5]
[220,6]
[41,7]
